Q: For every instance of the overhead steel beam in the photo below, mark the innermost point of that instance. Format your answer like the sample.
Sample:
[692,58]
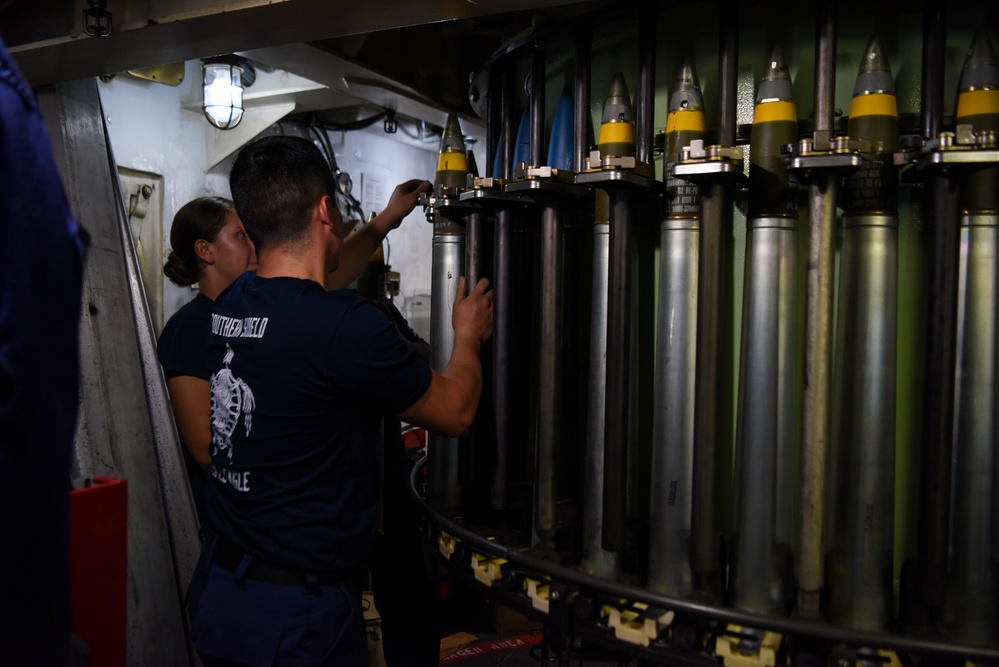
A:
[49,45]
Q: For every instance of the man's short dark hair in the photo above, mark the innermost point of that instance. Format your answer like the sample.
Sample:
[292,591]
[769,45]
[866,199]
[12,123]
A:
[275,182]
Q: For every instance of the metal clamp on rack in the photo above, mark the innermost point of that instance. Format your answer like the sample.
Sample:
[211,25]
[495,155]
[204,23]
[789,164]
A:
[808,155]
[951,152]
[602,170]
[700,162]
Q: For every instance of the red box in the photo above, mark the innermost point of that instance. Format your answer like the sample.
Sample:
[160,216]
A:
[98,562]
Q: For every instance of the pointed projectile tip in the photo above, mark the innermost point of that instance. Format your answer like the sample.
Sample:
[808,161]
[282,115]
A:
[875,59]
[452,140]
[874,75]
[778,68]
[617,106]
[687,95]
[776,83]
[980,68]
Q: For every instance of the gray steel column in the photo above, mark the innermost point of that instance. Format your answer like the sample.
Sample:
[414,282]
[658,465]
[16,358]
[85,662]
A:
[581,108]
[645,94]
[938,398]
[502,371]
[502,282]
[443,452]
[818,325]
[549,377]
[971,611]
[716,221]
[859,564]
[539,77]
[673,426]
[763,429]
[617,416]
[596,560]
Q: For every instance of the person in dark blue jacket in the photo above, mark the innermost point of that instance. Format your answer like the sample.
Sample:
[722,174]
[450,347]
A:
[41,279]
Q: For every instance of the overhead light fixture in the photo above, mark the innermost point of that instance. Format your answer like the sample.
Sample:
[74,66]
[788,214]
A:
[223,91]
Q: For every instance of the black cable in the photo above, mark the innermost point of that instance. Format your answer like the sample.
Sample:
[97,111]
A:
[353,125]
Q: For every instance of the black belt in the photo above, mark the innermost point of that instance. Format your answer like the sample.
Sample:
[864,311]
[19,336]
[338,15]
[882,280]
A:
[229,556]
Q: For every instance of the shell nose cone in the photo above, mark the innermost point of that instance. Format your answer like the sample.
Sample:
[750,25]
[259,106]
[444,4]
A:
[617,106]
[980,71]
[874,75]
[452,141]
[776,83]
[687,95]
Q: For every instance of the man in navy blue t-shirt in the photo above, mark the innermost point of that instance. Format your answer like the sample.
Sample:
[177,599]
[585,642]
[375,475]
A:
[301,379]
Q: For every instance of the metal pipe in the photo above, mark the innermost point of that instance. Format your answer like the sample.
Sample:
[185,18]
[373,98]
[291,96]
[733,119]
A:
[971,611]
[818,326]
[938,397]
[859,563]
[583,121]
[537,102]
[549,377]
[476,443]
[716,220]
[787,625]
[597,561]
[759,569]
[934,55]
[502,281]
[673,426]
[506,112]
[825,68]
[494,123]
[617,417]
[474,248]
[645,95]
[448,266]
[502,361]
[728,60]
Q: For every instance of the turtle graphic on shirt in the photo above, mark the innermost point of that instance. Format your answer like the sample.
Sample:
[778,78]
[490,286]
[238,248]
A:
[231,397]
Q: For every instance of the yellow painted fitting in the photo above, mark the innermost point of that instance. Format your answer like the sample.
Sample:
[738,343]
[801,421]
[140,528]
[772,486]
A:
[633,626]
[617,133]
[774,111]
[727,648]
[447,544]
[892,661]
[452,161]
[539,593]
[977,102]
[875,104]
[487,569]
[678,121]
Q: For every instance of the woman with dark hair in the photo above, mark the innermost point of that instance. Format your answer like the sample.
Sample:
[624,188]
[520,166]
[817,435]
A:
[209,248]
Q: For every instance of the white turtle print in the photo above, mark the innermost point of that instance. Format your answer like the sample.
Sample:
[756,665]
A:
[231,397]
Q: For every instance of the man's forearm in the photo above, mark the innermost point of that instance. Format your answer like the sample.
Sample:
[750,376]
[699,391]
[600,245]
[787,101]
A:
[464,378]
[357,250]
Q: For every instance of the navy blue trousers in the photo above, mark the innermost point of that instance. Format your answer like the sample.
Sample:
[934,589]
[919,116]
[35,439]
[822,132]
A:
[240,622]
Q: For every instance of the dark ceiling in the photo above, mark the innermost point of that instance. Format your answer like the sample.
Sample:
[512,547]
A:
[438,59]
